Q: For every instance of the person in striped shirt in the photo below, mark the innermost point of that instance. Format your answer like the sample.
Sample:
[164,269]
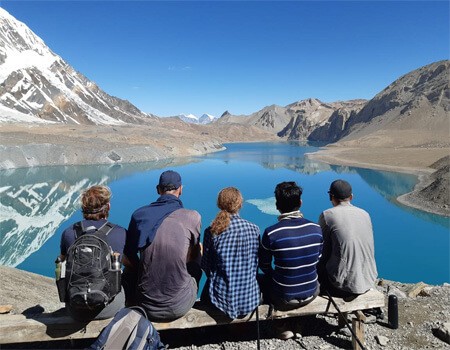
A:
[294,245]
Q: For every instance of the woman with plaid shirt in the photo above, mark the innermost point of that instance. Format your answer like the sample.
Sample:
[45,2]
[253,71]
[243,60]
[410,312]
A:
[230,258]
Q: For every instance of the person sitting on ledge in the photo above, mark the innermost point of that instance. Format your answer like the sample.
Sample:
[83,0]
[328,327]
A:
[230,258]
[294,244]
[163,247]
[347,267]
[95,205]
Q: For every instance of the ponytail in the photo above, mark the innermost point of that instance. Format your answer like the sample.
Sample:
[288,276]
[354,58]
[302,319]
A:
[220,223]
[229,202]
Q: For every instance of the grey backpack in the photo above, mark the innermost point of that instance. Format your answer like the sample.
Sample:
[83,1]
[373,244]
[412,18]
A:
[129,329]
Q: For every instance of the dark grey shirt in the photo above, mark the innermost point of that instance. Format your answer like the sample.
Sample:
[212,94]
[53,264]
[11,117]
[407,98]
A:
[348,252]
[164,281]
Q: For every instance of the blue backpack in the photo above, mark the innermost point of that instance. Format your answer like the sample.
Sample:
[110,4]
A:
[129,329]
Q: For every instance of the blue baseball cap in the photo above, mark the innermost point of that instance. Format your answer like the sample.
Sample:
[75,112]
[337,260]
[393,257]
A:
[170,178]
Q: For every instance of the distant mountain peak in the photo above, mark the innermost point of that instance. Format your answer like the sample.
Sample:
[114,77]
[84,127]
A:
[193,119]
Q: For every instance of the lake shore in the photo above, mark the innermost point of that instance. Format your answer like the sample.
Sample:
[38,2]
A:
[26,145]
[412,160]
[419,316]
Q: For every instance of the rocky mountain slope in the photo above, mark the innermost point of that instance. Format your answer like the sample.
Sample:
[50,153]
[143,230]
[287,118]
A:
[296,121]
[413,110]
[40,85]
[432,192]
[415,106]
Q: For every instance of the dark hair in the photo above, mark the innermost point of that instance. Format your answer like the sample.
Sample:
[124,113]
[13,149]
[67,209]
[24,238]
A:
[166,188]
[288,195]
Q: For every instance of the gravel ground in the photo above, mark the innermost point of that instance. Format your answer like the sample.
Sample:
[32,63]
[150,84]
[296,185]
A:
[419,317]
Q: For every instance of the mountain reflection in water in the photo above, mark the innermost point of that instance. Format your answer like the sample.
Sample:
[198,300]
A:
[37,204]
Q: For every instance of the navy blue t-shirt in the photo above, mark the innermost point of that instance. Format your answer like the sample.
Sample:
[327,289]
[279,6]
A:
[115,238]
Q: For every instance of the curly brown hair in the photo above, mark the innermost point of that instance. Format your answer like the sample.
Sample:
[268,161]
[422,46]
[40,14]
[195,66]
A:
[94,202]
[229,202]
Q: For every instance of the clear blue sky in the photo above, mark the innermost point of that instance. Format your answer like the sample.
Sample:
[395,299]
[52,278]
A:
[209,56]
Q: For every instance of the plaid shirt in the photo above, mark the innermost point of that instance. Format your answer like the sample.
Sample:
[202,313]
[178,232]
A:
[230,261]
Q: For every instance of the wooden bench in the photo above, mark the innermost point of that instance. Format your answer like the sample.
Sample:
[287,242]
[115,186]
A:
[56,326]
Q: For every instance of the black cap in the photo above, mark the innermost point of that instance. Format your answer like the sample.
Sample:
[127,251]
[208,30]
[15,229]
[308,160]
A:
[340,189]
[170,178]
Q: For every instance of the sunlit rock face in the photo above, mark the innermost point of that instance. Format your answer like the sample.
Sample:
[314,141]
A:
[37,85]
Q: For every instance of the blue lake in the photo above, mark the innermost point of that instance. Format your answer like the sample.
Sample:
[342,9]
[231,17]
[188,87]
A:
[37,204]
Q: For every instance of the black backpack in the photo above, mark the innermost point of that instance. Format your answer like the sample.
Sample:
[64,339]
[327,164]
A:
[90,281]
[129,329]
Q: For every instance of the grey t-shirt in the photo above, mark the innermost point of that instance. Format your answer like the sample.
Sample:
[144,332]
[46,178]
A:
[348,251]
[164,281]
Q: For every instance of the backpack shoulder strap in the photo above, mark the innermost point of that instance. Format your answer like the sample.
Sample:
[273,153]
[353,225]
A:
[105,229]
[102,231]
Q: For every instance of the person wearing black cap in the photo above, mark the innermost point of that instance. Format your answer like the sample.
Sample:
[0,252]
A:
[347,266]
[163,246]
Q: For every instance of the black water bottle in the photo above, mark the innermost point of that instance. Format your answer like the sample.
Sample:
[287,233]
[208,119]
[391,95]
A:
[393,311]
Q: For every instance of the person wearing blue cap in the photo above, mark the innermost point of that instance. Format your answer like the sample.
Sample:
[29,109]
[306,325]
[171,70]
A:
[347,267]
[163,246]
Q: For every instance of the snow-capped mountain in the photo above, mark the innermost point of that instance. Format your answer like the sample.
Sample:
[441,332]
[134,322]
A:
[206,119]
[38,85]
[193,119]
[188,118]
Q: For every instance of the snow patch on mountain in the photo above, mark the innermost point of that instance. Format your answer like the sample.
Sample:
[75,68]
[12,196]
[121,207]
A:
[35,81]
[193,119]
[8,115]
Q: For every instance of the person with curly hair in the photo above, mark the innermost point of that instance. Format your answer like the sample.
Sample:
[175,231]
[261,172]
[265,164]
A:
[95,206]
[230,258]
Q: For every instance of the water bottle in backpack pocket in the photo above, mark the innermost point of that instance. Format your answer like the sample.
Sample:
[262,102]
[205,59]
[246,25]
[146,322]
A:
[89,281]
[60,277]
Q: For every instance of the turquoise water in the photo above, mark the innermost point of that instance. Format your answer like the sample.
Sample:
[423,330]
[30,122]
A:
[37,204]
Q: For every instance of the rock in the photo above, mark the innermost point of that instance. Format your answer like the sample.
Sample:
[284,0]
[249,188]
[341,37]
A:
[397,292]
[416,289]
[345,332]
[382,340]
[443,332]
[4,309]
[426,292]
[370,319]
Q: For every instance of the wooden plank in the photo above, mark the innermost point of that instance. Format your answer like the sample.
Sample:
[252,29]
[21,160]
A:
[358,328]
[45,327]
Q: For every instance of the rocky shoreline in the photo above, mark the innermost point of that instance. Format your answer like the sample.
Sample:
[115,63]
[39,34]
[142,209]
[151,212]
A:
[431,166]
[423,310]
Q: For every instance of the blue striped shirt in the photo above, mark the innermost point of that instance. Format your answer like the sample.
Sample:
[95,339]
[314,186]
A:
[230,262]
[295,245]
